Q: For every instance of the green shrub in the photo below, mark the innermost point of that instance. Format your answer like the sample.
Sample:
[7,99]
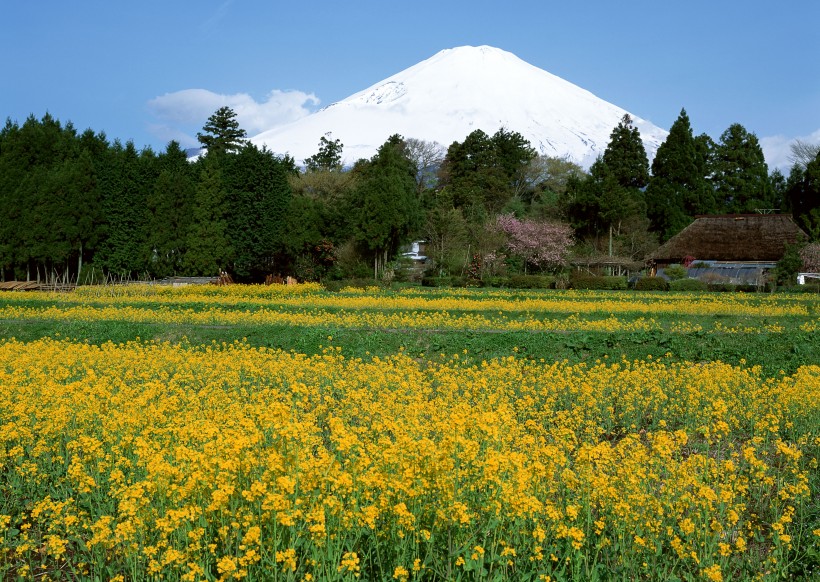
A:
[735,287]
[429,281]
[597,282]
[807,288]
[687,285]
[676,272]
[722,287]
[496,281]
[748,288]
[651,284]
[531,282]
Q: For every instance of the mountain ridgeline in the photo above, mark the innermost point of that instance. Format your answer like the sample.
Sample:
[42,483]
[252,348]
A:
[448,96]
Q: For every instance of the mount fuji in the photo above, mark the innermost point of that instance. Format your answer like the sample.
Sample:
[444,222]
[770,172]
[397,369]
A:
[456,91]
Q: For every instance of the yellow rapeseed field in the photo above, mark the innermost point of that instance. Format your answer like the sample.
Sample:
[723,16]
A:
[149,460]
[498,310]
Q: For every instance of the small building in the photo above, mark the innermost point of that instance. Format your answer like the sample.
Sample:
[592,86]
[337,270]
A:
[729,248]
[415,251]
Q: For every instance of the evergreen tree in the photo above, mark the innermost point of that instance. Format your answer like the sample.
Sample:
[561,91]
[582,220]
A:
[483,173]
[258,198]
[513,154]
[169,206]
[80,206]
[741,177]
[678,189]
[329,156]
[608,207]
[221,133]
[208,250]
[611,193]
[387,208]
[625,156]
[126,177]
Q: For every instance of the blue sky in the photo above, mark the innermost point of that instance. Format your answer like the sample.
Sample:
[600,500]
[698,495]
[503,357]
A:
[153,71]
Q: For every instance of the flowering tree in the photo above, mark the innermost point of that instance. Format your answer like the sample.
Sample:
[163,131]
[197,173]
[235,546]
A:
[810,255]
[541,243]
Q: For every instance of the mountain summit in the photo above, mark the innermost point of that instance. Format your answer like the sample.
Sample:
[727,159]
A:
[455,92]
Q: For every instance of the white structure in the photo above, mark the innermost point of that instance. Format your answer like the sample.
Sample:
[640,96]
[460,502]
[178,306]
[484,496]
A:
[801,277]
[415,251]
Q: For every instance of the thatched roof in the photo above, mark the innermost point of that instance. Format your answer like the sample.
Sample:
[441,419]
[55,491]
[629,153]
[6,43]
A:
[732,237]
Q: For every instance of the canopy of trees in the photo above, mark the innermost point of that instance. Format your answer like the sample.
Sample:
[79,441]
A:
[72,203]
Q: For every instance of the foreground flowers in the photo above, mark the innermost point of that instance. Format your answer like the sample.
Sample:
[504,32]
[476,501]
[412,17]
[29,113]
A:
[232,462]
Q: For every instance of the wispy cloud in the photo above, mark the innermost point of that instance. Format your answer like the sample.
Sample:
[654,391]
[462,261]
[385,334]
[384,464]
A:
[213,21]
[777,149]
[180,115]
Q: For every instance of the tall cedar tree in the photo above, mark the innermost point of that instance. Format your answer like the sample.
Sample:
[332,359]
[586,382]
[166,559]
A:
[625,156]
[259,195]
[611,194]
[49,198]
[221,133]
[385,201]
[126,178]
[169,206]
[678,189]
[741,176]
[208,248]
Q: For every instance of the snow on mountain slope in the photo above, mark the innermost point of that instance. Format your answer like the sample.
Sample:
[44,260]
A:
[455,92]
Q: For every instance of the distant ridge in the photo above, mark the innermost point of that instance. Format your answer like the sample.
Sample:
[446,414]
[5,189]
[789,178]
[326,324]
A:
[455,92]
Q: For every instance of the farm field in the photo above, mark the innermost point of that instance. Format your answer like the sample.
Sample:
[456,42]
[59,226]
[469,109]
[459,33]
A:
[291,433]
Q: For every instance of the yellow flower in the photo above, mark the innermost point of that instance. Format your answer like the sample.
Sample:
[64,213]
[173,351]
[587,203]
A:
[713,573]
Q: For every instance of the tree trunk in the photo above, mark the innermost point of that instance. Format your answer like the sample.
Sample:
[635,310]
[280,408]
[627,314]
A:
[80,263]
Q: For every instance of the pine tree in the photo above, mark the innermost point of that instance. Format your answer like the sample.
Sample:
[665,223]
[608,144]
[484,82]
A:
[169,207]
[625,156]
[208,251]
[483,173]
[608,207]
[741,176]
[221,133]
[126,178]
[677,189]
[258,198]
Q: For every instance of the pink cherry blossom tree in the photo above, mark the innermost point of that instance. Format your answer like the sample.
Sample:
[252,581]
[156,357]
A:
[540,243]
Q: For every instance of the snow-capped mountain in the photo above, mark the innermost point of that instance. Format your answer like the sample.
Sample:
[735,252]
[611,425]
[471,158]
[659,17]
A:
[446,97]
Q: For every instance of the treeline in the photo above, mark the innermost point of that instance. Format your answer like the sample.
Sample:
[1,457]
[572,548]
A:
[72,204]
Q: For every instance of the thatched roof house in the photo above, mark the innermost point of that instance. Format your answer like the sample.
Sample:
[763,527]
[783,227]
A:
[730,243]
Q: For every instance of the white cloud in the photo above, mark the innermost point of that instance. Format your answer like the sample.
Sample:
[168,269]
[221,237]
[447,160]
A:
[183,113]
[777,149]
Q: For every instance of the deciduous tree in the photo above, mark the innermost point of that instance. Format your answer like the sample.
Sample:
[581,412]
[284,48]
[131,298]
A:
[539,243]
